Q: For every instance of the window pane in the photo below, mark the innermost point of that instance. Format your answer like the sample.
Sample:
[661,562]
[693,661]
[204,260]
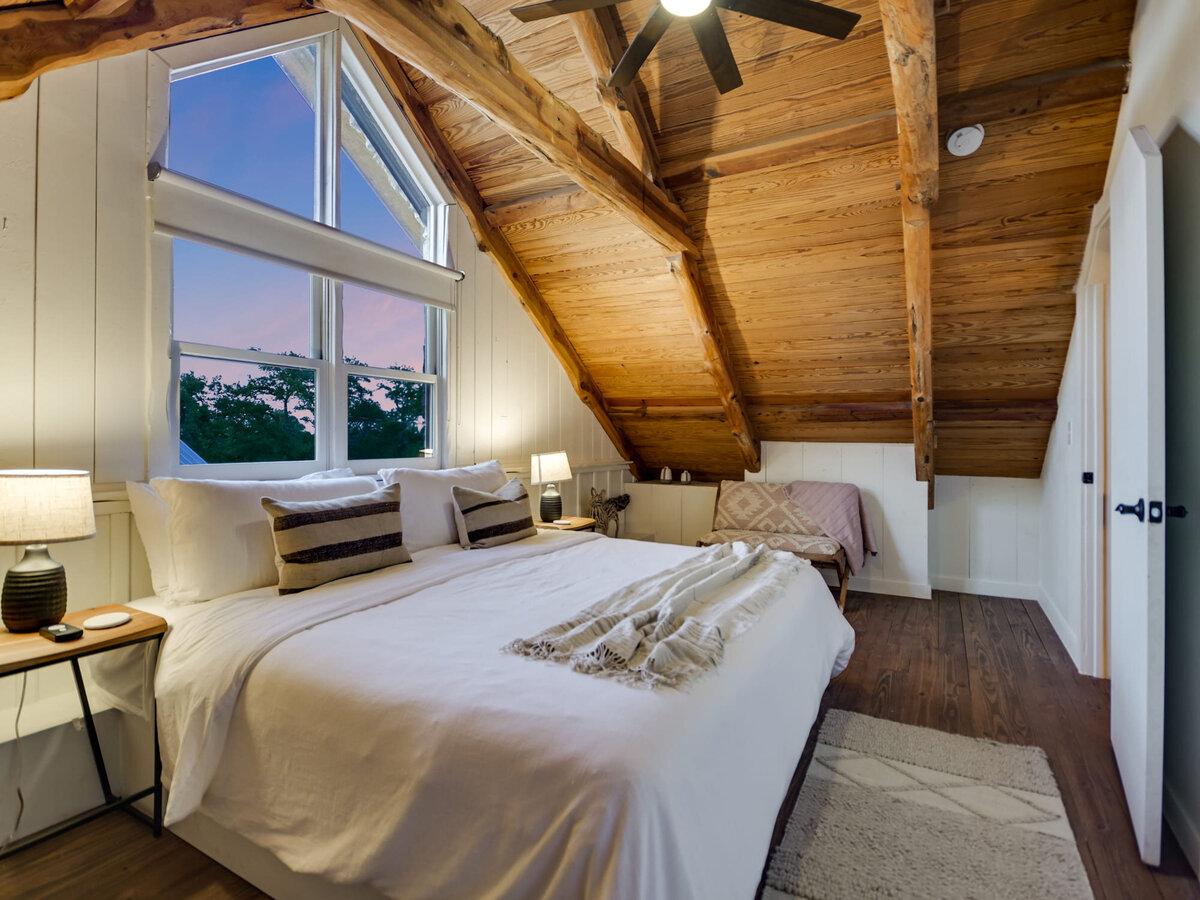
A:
[387,419]
[236,301]
[251,128]
[380,200]
[381,330]
[233,412]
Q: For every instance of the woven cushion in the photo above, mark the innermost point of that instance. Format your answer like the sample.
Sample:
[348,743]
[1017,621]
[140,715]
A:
[761,506]
[491,519]
[816,545]
[322,540]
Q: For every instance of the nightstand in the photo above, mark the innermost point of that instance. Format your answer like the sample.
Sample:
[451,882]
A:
[575,523]
[26,652]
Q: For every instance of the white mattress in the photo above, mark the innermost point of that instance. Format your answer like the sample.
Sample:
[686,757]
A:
[397,746]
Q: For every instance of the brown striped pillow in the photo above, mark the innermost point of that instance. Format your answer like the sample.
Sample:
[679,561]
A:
[321,540]
[489,520]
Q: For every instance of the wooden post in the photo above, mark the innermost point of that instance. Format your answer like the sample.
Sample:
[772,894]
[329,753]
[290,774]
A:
[908,30]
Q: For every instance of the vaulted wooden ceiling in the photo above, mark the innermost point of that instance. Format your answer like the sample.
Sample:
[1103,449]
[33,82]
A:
[790,321]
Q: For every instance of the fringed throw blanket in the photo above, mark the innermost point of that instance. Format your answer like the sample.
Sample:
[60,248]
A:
[672,627]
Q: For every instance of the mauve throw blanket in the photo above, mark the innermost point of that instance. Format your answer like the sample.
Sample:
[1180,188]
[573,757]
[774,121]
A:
[839,509]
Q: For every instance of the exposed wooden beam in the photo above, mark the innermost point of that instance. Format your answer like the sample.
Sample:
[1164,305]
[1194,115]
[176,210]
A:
[839,137]
[598,37]
[97,9]
[951,411]
[492,241]
[700,314]
[39,38]
[596,31]
[542,206]
[447,43]
[908,31]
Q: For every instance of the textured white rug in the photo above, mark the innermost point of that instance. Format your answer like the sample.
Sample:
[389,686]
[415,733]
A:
[891,810]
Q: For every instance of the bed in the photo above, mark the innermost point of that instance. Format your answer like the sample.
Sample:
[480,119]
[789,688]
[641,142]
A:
[372,732]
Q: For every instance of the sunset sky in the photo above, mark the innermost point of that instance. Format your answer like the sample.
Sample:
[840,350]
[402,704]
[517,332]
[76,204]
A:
[246,128]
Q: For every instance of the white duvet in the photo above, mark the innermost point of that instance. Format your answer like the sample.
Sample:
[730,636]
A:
[373,731]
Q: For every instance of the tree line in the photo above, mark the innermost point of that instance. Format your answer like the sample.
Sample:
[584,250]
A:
[272,415]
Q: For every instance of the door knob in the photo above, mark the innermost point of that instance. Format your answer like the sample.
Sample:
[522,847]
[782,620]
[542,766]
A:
[1176,512]
[1138,509]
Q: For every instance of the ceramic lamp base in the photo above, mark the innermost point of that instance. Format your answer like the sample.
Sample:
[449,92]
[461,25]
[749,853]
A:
[35,592]
[551,507]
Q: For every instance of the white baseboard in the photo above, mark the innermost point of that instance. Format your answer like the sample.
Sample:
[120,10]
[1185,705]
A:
[1062,628]
[1183,827]
[986,587]
[870,585]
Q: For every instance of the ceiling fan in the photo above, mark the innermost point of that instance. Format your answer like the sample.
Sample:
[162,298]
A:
[710,35]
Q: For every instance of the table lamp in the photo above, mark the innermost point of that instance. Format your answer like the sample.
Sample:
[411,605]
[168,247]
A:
[549,469]
[39,507]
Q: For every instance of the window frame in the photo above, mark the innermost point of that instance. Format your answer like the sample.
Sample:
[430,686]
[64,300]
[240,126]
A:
[341,50]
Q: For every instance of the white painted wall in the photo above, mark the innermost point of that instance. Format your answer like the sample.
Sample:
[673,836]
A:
[984,536]
[1060,568]
[895,500]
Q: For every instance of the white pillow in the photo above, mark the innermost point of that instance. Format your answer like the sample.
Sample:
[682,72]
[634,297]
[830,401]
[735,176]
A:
[328,473]
[220,536]
[152,516]
[426,504]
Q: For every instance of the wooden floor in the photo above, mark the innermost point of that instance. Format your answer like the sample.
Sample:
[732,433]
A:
[975,666]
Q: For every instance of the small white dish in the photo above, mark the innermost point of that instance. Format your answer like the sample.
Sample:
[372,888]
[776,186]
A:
[106,620]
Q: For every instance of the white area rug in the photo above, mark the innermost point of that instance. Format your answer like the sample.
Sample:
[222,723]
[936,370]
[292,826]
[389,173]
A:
[891,810]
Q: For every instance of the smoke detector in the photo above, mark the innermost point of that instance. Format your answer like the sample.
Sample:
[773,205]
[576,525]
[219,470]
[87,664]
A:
[965,141]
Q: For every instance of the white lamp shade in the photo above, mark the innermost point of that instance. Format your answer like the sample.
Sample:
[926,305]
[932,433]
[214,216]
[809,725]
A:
[685,7]
[547,467]
[42,506]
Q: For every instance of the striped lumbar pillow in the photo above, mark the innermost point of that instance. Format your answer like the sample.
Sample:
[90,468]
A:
[321,540]
[489,520]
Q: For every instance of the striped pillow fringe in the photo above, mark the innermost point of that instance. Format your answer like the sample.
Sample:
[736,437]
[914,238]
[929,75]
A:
[489,520]
[323,540]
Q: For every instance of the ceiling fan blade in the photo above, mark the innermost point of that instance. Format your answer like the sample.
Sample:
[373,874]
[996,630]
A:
[550,8]
[714,47]
[653,29]
[805,14]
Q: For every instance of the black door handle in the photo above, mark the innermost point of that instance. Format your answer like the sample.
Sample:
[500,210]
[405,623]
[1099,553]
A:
[1138,509]
[1177,512]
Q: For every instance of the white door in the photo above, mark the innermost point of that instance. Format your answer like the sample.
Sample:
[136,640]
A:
[1137,457]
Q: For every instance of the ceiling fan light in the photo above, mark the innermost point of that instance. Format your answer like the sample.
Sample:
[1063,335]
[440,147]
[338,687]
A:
[685,7]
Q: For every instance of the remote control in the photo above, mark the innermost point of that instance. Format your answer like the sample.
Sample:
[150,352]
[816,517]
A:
[60,632]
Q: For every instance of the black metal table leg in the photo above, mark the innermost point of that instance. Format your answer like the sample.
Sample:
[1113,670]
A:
[158,791]
[97,756]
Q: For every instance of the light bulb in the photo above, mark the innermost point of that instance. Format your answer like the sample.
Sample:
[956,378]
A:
[685,7]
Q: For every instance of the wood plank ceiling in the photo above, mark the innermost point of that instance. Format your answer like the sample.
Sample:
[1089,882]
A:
[791,187]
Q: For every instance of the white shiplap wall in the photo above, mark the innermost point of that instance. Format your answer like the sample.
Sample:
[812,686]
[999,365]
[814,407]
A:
[985,536]
[895,500]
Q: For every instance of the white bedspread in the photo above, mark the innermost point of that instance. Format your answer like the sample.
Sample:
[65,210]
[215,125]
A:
[372,730]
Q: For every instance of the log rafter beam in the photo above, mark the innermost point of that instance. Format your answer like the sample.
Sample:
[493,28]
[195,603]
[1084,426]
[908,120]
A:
[596,31]
[492,241]
[37,39]
[447,43]
[908,31]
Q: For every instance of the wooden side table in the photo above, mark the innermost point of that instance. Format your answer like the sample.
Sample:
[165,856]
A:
[575,523]
[26,652]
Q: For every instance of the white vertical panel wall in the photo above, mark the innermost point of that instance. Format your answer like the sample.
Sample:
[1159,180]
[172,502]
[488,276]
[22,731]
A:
[984,536]
[895,500]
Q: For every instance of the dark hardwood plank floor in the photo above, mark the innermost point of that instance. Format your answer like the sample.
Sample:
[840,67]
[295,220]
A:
[978,666]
